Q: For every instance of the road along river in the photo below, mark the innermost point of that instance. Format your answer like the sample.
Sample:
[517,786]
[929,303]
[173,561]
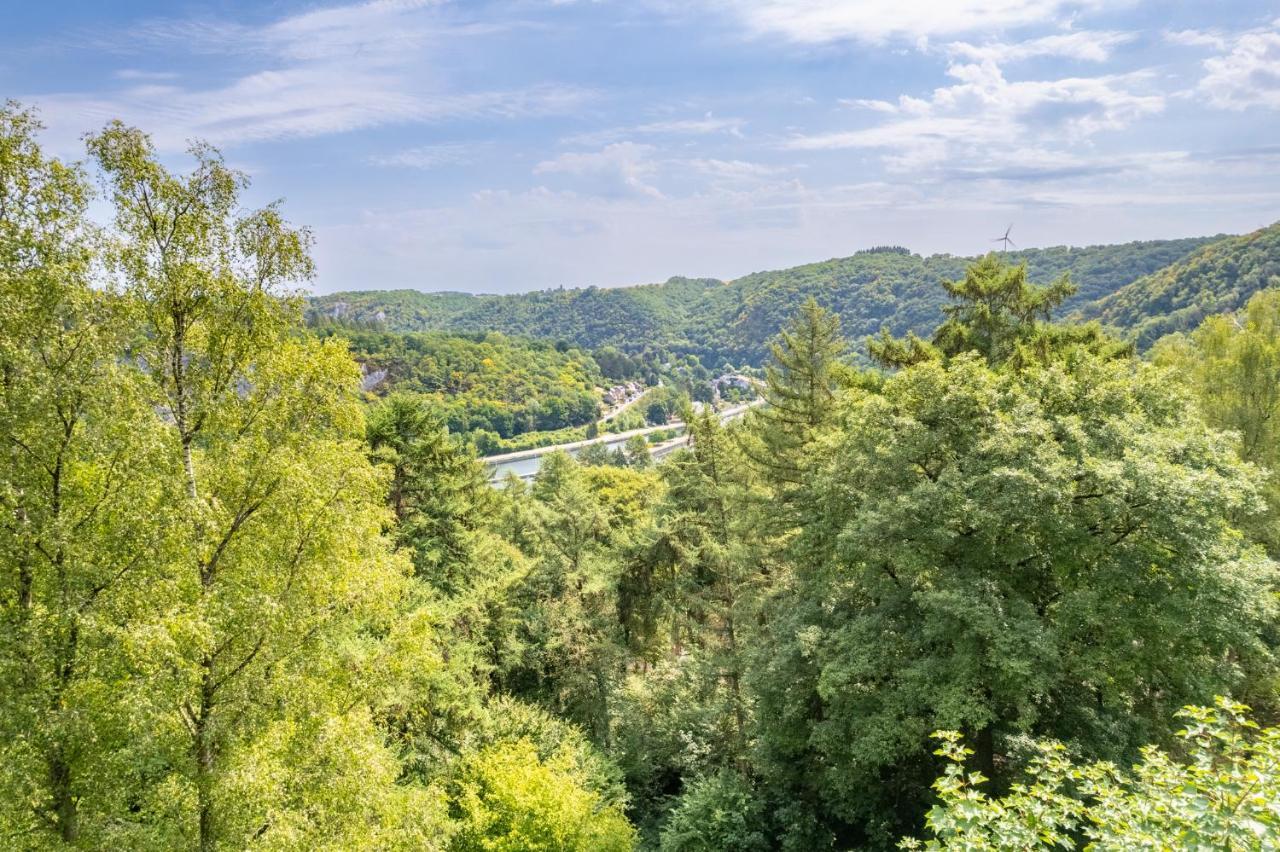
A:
[525,463]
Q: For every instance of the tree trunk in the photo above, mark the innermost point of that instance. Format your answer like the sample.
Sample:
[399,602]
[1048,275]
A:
[203,748]
[735,687]
[985,751]
[202,745]
[64,803]
[189,467]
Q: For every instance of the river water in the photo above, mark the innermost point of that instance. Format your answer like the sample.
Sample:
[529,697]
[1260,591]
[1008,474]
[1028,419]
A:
[528,467]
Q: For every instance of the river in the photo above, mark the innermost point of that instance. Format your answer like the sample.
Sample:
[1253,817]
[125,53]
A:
[525,463]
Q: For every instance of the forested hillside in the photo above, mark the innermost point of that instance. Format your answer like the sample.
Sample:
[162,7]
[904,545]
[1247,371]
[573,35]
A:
[891,288]
[1215,278]
[506,393]
[629,317]
[485,381]
[1005,584]
[886,287]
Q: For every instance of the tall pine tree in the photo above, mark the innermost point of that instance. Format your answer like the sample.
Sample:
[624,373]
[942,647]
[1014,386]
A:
[997,313]
[801,383]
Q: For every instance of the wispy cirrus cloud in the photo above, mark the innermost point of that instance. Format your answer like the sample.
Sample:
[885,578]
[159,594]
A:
[138,74]
[1197,38]
[629,169]
[1082,45]
[293,103]
[430,156]
[384,29]
[706,125]
[734,170]
[609,142]
[330,70]
[876,21]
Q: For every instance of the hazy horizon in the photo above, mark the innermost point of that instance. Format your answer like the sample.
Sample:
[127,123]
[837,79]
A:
[766,269]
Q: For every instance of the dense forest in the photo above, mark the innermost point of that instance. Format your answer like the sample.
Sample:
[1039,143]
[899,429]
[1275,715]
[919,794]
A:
[503,385]
[506,393]
[886,287]
[1220,276]
[985,581]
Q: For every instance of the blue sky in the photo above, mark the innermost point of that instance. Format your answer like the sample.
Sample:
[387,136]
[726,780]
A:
[507,145]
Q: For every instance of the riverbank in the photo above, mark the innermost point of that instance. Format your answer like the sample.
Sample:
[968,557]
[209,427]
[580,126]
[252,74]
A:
[518,462]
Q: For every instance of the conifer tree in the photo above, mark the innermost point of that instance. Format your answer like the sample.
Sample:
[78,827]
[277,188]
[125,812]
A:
[709,533]
[800,388]
[998,314]
[439,492]
[445,510]
[572,656]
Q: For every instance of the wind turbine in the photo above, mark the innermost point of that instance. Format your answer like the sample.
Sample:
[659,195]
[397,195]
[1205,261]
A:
[1005,239]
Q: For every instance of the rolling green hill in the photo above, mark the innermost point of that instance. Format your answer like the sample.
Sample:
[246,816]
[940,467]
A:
[505,385]
[894,288]
[733,320]
[1216,278]
[628,317]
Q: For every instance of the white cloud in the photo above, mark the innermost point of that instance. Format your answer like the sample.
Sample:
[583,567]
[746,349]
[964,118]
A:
[137,74]
[511,240]
[622,168]
[332,70]
[628,169]
[381,29]
[381,26]
[874,21]
[1244,73]
[668,188]
[1247,74]
[984,115]
[1197,38]
[1083,45]
[293,103]
[694,126]
[706,126]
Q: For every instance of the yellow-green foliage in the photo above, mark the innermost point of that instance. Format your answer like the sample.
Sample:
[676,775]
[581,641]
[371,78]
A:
[510,800]
[1221,790]
[198,604]
[504,385]
[1231,363]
